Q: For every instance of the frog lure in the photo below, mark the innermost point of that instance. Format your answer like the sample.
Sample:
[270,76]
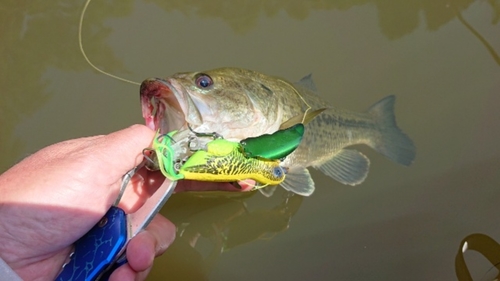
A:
[221,160]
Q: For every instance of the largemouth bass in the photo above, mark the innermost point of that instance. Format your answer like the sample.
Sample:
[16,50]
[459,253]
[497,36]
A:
[238,103]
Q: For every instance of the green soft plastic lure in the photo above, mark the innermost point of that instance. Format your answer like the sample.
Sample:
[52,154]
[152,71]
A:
[162,145]
[274,146]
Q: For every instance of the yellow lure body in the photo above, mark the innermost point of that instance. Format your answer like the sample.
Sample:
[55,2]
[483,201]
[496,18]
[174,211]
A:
[224,161]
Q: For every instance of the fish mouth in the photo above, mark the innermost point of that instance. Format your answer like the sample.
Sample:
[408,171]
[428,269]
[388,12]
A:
[166,106]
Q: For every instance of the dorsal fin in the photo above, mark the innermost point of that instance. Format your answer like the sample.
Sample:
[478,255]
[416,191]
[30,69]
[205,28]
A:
[308,83]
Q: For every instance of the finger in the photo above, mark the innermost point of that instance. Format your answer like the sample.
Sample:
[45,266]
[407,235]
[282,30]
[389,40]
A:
[117,153]
[123,273]
[125,144]
[122,150]
[126,273]
[142,249]
[150,243]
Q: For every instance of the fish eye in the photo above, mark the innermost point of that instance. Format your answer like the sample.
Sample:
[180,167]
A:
[203,81]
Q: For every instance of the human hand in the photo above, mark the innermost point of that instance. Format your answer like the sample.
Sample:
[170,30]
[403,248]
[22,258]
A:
[52,198]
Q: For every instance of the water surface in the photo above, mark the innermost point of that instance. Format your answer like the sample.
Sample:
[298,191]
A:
[438,57]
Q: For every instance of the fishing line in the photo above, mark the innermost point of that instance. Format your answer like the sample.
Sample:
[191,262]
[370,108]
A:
[85,55]
[300,96]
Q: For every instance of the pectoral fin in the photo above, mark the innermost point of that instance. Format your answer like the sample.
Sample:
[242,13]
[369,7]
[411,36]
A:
[348,167]
[299,182]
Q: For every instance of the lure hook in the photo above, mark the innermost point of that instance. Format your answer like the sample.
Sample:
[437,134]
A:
[214,135]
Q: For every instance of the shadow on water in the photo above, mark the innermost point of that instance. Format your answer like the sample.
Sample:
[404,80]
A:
[210,224]
[396,18]
[208,227]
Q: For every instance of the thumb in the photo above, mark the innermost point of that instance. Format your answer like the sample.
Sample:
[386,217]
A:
[122,150]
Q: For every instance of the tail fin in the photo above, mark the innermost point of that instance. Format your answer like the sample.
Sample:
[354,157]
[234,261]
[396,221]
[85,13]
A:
[393,143]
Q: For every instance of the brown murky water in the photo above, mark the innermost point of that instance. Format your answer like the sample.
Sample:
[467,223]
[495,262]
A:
[438,57]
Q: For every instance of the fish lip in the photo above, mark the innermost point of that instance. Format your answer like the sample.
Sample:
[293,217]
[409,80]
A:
[166,106]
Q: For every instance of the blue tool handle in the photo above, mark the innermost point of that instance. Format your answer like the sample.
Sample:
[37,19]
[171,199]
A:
[97,249]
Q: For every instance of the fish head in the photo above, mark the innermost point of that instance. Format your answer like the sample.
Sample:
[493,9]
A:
[232,102]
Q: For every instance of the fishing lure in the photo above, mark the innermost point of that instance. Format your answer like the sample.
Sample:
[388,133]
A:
[220,160]
[224,161]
